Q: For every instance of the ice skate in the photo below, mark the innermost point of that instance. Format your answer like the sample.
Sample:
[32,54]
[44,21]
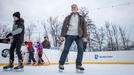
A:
[61,68]
[9,67]
[79,69]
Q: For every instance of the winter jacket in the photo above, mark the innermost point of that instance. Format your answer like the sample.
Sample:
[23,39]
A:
[30,46]
[39,47]
[18,30]
[82,31]
[46,44]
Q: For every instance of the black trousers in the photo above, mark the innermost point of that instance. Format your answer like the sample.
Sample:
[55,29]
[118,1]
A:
[40,60]
[16,45]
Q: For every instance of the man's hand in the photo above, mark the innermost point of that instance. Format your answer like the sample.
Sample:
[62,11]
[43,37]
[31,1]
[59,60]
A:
[61,39]
[84,39]
[8,35]
[8,40]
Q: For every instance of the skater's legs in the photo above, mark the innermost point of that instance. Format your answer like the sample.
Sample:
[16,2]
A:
[9,67]
[80,48]
[11,52]
[32,57]
[18,50]
[40,58]
[68,42]
[29,58]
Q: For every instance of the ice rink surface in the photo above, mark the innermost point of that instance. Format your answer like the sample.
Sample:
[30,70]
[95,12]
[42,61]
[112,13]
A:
[90,69]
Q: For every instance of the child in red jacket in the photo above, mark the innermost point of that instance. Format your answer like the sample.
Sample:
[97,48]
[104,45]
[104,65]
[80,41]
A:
[30,48]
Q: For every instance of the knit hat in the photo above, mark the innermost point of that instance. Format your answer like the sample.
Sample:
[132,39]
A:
[17,14]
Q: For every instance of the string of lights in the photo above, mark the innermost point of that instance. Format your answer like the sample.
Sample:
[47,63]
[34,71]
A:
[114,6]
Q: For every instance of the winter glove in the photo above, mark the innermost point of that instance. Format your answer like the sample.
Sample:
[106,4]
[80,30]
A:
[8,35]
[8,40]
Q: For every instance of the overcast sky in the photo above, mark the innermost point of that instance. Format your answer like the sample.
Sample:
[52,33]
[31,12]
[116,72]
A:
[34,10]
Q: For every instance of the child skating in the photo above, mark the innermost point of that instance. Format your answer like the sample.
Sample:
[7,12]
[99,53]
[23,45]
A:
[40,53]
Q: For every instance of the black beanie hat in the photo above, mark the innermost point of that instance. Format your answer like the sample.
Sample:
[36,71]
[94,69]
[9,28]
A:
[17,14]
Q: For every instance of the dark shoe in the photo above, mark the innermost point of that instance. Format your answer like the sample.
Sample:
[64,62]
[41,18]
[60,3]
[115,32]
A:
[19,67]
[9,67]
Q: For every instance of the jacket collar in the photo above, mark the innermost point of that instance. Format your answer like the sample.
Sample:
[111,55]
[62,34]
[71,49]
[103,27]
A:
[73,13]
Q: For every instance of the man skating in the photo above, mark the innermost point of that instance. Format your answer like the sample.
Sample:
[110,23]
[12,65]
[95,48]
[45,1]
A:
[73,29]
[18,37]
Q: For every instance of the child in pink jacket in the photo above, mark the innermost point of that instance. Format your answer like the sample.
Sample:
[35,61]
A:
[40,53]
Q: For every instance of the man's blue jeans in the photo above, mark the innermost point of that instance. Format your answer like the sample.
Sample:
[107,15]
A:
[68,42]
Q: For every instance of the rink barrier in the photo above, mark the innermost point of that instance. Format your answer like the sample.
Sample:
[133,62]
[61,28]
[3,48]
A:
[106,57]
[55,63]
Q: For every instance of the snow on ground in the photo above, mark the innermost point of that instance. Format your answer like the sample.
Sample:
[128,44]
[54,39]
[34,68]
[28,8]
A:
[91,69]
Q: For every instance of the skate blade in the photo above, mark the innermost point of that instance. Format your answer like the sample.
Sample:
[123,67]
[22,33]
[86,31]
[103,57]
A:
[11,69]
[18,70]
[60,70]
[79,71]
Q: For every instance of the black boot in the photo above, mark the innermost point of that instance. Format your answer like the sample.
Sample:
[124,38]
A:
[9,67]
[19,67]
